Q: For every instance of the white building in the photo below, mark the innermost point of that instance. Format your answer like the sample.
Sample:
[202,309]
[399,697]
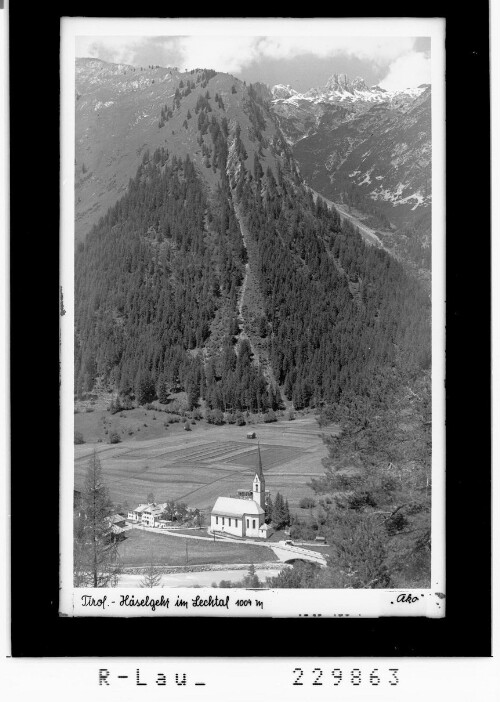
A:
[243,517]
[147,514]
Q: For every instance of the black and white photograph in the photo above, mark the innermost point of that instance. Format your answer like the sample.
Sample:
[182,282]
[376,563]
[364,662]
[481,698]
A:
[253,338]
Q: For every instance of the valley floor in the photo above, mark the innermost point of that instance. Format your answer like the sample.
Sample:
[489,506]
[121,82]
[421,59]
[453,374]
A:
[197,467]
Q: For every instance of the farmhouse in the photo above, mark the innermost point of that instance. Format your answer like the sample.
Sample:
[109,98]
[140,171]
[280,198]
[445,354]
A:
[147,514]
[243,517]
[118,527]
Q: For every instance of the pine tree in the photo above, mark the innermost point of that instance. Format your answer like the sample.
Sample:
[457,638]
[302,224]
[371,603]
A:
[269,510]
[251,579]
[144,388]
[193,396]
[287,513]
[94,549]
[162,390]
[151,577]
[279,513]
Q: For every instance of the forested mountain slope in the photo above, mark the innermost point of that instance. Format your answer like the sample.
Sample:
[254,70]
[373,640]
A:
[160,276]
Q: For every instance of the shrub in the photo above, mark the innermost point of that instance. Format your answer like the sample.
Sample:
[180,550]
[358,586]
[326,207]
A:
[215,416]
[79,438]
[307,503]
[114,437]
[396,523]
[231,418]
[240,420]
[187,426]
[358,500]
[89,409]
[302,531]
[270,417]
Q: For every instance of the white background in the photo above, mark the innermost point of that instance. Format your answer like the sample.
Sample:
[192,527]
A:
[289,603]
[460,680]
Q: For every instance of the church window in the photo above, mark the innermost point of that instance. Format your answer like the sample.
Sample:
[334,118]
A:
[248,524]
[253,523]
[229,520]
[235,522]
[222,521]
[216,520]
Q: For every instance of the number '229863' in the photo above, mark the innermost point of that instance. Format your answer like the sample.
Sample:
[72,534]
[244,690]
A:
[318,676]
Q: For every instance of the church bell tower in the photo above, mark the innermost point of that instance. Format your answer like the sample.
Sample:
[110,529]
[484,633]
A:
[259,483]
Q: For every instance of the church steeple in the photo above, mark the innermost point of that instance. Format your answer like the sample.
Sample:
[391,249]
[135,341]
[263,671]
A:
[259,483]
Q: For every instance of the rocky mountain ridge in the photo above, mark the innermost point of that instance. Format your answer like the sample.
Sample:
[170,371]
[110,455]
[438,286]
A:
[368,149]
[361,147]
[339,89]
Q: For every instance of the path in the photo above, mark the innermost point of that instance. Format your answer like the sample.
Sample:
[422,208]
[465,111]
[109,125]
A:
[284,552]
[367,232]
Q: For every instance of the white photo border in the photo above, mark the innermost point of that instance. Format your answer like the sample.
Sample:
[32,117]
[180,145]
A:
[276,603]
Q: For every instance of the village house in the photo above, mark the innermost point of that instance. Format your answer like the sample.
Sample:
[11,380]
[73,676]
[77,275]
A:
[243,517]
[147,514]
[118,527]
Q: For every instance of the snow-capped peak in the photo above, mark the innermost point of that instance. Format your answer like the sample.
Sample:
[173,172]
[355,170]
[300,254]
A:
[282,92]
[339,88]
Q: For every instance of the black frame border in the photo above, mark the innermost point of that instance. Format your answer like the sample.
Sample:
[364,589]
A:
[37,629]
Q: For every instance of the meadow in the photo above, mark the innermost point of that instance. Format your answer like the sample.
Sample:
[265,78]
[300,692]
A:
[197,467]
[141,548]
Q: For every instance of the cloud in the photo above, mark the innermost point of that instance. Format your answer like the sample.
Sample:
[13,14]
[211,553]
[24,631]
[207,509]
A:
[233,53]
[407,71]
[130,50]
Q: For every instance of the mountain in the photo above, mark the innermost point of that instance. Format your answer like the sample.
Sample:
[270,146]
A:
[204,262]
[300,114]
[370,149]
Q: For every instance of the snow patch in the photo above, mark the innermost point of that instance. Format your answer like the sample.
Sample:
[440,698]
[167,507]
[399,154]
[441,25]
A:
[100,104]
[367,178]
[415,196]
[394,196]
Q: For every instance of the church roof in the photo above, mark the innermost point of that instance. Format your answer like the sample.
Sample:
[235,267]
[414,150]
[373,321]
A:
[233,507]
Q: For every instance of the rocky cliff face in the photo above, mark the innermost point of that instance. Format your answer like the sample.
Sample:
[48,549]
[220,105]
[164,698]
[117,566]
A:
[364,146]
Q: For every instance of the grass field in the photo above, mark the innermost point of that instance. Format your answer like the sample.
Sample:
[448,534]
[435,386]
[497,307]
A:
[198,466]
[136,424]
[144,547]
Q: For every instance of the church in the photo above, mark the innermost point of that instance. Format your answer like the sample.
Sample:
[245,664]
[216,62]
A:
[243,517]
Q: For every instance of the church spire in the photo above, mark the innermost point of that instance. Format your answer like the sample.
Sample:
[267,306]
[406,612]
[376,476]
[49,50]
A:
[259,485]
[259,464]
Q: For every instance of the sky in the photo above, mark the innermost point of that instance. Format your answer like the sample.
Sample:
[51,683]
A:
[302,62]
